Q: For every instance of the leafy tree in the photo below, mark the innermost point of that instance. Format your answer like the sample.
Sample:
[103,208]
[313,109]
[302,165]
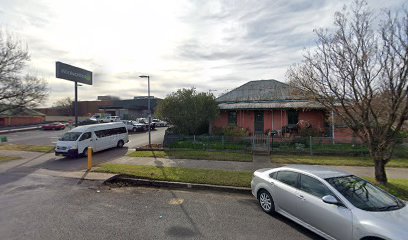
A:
[359,71]
[16,89]
[64,106]
[190,112]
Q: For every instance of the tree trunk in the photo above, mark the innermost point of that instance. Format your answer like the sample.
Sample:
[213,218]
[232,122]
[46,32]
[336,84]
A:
[380,175]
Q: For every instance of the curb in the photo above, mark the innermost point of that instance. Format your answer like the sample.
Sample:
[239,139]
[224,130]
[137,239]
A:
[19,130]
[123,180]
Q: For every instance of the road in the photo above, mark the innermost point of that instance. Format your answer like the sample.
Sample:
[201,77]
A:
[44,207]
[44,138]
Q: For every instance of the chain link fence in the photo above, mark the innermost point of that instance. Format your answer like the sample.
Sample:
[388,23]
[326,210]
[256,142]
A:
[278,145]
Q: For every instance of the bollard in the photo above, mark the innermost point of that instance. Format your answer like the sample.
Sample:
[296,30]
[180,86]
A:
[89,158]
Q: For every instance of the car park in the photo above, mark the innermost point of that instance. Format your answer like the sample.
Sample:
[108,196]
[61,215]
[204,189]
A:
[134,126]
[159,123]
[54,126]
[98,136]
[331,203]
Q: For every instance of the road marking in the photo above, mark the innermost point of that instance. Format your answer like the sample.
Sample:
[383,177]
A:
[53,142]
[176,201]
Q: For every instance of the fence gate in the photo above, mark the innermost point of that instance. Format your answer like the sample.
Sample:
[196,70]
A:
[261,143]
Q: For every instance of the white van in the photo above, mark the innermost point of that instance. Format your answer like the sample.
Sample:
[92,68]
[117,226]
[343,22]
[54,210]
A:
[98,136]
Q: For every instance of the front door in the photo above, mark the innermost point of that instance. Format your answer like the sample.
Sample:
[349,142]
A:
[259,122]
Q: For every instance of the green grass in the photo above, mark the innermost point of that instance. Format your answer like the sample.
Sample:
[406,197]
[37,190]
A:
[7,158]
[203,176]
[195,154]
[397,187]
[334,160]
[29,148]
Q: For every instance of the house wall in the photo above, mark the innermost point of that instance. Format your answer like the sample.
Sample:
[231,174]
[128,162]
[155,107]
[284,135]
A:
[315,118]
[245,119]
[19,121]
[275,119]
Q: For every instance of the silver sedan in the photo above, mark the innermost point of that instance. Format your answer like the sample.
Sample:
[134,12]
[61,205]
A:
[331,203]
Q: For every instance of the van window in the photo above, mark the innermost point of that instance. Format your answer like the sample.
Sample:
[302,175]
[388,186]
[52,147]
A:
[110,132]
[85,136]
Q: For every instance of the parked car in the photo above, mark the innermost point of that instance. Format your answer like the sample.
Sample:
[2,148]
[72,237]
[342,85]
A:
[146,122]
[87,122]
[331,203]
[159,123]
[110,119]
[54,126]
[98,136]
[134,126]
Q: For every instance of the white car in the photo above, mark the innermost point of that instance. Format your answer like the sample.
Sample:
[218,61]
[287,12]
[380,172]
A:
[110,119]
[134,126]
[159,123]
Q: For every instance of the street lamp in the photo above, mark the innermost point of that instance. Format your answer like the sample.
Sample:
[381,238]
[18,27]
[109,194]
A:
[148,105]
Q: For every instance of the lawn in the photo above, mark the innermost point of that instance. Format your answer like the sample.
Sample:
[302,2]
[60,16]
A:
[334,160]
[195,154]
[173,174]
[397,187]
[29,148]
[7,158]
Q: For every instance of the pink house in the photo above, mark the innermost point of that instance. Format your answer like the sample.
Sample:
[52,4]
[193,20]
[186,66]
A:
[268,105]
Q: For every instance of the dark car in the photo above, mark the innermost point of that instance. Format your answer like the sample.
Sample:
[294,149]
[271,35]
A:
[54,126]
[87,122]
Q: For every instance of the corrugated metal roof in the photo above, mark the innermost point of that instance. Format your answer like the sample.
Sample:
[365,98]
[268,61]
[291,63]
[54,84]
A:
[270,105]
[260,90]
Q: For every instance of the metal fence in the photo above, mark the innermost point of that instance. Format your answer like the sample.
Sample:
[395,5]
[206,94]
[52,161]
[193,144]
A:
[278,145]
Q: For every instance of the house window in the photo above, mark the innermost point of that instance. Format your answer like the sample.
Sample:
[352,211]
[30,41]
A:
[232,118]
[293,117]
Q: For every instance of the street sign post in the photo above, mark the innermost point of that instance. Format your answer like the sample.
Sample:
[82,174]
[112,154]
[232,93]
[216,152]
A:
[75,74]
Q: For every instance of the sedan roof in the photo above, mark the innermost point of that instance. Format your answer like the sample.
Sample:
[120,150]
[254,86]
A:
[318,171]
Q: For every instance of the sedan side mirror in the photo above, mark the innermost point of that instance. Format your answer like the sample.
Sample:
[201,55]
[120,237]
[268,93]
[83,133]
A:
[329,199]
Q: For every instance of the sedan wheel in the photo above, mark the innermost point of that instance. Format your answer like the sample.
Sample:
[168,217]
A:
[266,202]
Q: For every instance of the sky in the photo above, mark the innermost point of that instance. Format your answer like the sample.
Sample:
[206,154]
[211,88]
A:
[214,46]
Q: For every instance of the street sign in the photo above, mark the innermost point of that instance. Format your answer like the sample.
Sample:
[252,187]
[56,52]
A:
[71,73]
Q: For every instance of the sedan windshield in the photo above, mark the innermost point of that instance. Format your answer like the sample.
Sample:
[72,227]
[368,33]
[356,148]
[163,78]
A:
[364,195]
[71,136]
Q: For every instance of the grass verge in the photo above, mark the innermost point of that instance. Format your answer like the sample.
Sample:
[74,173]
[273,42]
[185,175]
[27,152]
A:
[397,187]
[29,148]
[7,158]
[195,154]
[334,160]
[173,174]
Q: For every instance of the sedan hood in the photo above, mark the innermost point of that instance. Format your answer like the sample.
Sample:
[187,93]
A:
[391,224]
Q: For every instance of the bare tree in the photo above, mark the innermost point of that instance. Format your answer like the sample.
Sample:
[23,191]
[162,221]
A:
[16,89]
[64,106]
[360,72]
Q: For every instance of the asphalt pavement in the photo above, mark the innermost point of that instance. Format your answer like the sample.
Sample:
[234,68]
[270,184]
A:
[44,207]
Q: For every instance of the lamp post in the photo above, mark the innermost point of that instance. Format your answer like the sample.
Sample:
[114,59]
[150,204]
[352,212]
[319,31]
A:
[148,105]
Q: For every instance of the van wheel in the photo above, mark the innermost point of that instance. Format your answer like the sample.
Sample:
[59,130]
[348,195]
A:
[120,144]
[134,129]
[85,152]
